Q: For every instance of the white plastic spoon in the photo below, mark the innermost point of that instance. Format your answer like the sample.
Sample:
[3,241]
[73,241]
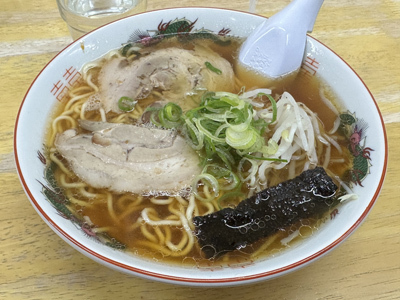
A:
[276,47]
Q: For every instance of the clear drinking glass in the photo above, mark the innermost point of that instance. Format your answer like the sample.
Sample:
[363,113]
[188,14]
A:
[83,16]
[252,6]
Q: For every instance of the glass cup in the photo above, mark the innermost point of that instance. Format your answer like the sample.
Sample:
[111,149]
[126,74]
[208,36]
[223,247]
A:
[252,6]
[83,16]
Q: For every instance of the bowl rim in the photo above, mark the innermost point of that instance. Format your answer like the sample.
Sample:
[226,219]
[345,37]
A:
[184,280]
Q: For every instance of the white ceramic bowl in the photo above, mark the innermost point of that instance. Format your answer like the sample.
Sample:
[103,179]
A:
[56,77]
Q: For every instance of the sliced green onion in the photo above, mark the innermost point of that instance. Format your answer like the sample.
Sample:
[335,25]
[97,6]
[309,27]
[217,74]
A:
[234,182]
[221,130]
[126,104]
[207,96]
[227,179]
[209,147]
[229,95]
[216,170]
[153,118]
[241,139]
[209,181]
[261,125]
[216,106]
[215,117]
[231,99]
[212,68]
[125,49]
[207,133]
[153,114]
[243,120]
[170,115]
[225,156]
[173,112]
[195,138]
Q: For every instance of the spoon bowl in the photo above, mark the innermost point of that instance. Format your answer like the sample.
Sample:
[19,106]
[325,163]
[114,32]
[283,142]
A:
[276,47]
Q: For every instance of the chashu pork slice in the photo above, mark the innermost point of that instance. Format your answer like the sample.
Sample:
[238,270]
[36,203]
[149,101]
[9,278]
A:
[129,158]
[173,72]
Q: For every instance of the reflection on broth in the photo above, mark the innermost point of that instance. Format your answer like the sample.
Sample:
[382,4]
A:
[157,222]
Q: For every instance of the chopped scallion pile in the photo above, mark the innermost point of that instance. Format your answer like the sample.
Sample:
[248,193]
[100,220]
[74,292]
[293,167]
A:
[225,129]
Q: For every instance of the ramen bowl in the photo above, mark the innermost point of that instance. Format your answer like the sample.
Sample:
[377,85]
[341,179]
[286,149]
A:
[55,80]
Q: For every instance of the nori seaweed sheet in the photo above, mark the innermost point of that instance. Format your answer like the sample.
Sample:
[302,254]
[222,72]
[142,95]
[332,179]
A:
[311,194]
